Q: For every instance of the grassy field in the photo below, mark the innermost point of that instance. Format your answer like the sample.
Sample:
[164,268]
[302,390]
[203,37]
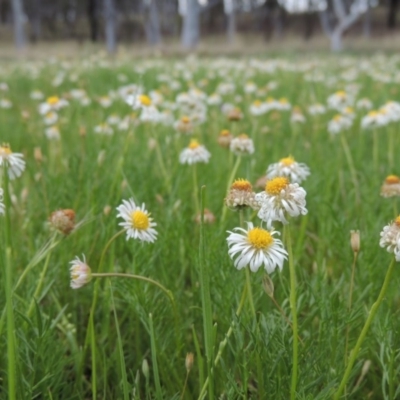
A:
[121,338]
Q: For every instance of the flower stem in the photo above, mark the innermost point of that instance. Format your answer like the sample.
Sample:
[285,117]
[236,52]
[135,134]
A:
[195,189]
[206,299]
[8,282]
[138,277]
[353,269]
[230,181]
[293,308]
[41,278]
[350,162]
[223,344]
[372,313]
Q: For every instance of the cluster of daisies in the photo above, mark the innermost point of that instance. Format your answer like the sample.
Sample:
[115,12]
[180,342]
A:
[282,197]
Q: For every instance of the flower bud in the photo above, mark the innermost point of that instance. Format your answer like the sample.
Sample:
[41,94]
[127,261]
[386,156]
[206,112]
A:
[189,361]
[145,369]
[355,241]
[63,220]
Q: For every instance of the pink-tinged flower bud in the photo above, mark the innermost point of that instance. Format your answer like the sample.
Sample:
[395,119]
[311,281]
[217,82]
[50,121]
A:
[81,273]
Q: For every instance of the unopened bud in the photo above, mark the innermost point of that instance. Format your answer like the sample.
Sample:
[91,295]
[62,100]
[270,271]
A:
[189,361]
[107,210]
[355,241]
[145,369]
[268,286]
[37,153]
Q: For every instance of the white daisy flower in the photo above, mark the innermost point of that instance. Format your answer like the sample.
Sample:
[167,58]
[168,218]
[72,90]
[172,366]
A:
[390,238]
[194,153]
[52,132]
[256,247]
[137,221]
[14,161]
[50,118]
[81,273]
[288,167]
[339,123]
[2,206]
[242,145]
[279,198]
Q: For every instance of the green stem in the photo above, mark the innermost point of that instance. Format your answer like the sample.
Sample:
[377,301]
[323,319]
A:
[223,344]
[293,308]
[353,269]
[206,298]
[41,279]
[375,149]
[162,166]
[250,292]
[195,189]
[230,181]
[154,359]
[372,313]
[11,346]
[350,162]
[138,277]
[391,149]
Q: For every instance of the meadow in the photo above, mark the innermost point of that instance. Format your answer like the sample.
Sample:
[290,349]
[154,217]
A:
[180,321]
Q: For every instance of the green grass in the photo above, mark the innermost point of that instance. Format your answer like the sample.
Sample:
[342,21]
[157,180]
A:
[133,320]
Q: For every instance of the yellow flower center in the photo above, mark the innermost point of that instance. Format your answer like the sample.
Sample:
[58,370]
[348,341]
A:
[260,238]
[341,93]
[276,185]
[185,119]
[337,117]
[145,100]
[243,136]
[194,144]
[225,132]
[5,151]
[392,179]
[373,113]
[140,220]
[257,103]
[287,161]
[53,100]
[283,100]
[242,184]
[397,221]
[348,110]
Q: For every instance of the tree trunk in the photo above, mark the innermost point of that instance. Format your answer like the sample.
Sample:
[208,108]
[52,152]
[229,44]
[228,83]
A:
[231,26]
[36,21]
[278,23]
[18,19]
[336,40]
[367,23]
[109,21]
[392,11]
[93,22]
[152,23]
[190,28]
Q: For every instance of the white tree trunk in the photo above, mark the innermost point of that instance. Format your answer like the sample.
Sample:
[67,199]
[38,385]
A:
[110,25]
[18,19]
[190,28]
[152,23]
[336,40]
[231,26]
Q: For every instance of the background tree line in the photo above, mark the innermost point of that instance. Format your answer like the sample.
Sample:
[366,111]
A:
[130,21]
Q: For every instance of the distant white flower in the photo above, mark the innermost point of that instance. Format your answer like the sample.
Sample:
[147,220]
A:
[14,161]
[50,118]
[242,145]
[256,247]
[194,153]
[316,109]
[5,103]
[137,221]
[52,132]
[339,123]
[279,199]
[103,129]
[258,108]
[80,273]
[288,167]
[375,119]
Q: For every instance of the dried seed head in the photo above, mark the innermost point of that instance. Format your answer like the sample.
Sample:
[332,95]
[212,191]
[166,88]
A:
[209,217]
[37,154]
[63,220]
